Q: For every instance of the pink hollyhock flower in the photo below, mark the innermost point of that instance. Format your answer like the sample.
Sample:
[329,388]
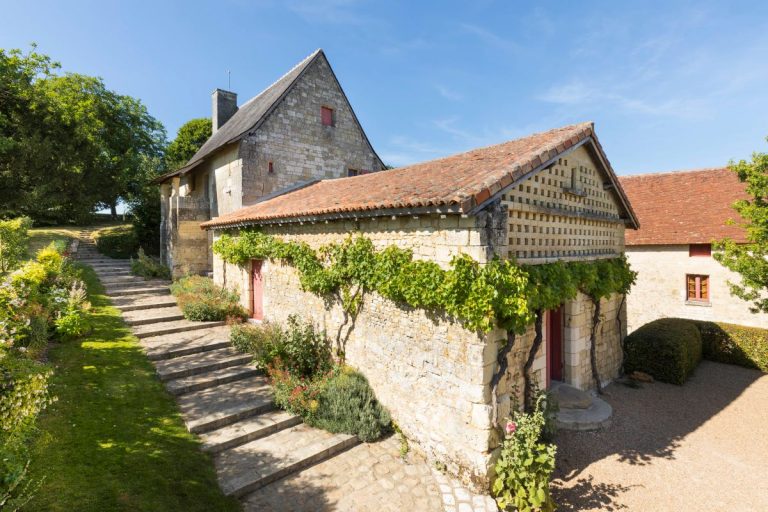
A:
[511,427]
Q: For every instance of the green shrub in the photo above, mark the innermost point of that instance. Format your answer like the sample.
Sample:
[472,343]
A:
[669,349]
[525,465]
[149,267]
[117,242]
[265,342]
[306,351]
[299,347]
[734,344]
[201,300]
[347,404]
[23,395]
[339,401]
[14,236]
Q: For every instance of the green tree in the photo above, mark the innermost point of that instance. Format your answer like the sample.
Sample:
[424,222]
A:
[26,144]
[190,137]
[68,145]
[750,260]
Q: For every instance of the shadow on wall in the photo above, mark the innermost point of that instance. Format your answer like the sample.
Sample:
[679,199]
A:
[649,423]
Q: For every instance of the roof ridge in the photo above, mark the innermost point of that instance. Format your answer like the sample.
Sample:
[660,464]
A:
[584,124]
[681,171]
[270,86]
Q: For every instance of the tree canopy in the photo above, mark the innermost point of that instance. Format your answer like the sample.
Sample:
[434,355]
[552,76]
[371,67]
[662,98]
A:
[190,137]
[68,144]
[750,260]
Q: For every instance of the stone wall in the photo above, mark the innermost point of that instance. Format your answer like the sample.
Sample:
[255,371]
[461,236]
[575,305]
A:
[292,138]
[577,369]
[430,372]
[299,146]
[660,290]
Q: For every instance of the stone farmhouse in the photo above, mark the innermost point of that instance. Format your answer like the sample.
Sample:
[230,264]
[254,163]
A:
[549,196]
[300,128]
[681,214]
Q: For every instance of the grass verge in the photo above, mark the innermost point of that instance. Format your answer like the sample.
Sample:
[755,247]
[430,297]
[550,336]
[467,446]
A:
[115,440]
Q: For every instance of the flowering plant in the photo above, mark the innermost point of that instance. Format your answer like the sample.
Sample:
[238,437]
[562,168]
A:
[525,465]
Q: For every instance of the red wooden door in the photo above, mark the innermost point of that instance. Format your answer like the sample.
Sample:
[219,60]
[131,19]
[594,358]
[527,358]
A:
[257,306]
[555,345]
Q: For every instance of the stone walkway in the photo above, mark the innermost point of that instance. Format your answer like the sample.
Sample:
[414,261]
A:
[266,457]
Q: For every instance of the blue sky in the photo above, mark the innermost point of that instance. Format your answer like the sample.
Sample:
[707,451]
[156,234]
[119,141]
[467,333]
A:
[670,85]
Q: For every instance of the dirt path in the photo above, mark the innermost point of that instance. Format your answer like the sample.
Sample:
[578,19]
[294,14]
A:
[701,446]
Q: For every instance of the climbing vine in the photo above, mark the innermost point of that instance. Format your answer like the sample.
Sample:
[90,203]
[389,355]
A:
[481,296]
[499,293]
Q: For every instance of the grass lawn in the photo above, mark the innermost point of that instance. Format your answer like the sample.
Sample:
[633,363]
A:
[115,440]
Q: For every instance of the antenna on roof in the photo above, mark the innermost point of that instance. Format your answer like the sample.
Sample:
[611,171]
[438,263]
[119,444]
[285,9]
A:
[229,80]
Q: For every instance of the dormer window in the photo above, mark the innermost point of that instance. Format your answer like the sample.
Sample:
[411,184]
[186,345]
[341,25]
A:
[326,116]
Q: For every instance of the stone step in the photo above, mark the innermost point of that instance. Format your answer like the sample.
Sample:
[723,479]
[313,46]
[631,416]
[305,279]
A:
[184,343]
[253,465]
[104,270]
[194,364]
[152,316]
[158,329]
[105,262]
[109,271]
[219,406]
[147,290]
[143,302]
[210,379]
[125,277]
[248,430]
[136,283]
[596,416]
[99,267]
[113,273]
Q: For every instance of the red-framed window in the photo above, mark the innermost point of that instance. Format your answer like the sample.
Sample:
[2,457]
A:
[699,250]
[326,116]
[271,167]
[697,287]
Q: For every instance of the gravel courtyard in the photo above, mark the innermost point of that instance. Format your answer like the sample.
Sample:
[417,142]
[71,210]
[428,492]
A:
[702,446]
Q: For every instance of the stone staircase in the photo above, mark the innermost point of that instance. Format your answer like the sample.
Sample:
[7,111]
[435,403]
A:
[223,398]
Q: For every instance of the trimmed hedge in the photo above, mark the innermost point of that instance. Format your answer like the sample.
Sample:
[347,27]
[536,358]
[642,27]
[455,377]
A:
[734,344]
[669,349]
[117,242]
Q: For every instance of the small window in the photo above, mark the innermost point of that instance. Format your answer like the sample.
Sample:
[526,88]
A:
[271,167]
[699,250]
[352,172]
[326,115]
[697,288]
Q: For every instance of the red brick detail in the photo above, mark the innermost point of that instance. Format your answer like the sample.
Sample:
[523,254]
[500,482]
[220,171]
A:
[684,207]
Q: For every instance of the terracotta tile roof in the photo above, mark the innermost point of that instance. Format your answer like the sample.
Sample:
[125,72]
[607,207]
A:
[684,207]
[455,184]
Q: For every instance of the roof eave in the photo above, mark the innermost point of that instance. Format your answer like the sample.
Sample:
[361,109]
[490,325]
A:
[334,216]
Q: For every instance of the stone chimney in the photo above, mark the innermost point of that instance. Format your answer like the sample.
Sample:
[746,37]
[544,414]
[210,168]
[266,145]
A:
[224,107]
